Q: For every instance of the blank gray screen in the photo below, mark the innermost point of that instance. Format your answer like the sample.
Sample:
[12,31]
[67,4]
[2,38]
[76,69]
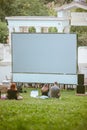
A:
[44,53]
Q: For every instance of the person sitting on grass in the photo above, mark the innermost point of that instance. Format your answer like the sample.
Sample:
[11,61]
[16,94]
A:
[54,91]
[45,90]
[12,92]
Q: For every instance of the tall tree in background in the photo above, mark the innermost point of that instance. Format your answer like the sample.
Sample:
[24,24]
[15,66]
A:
[5,8]
[30,7]
[22,7]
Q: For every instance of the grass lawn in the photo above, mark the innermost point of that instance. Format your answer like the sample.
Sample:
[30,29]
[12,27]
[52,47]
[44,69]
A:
[67,113]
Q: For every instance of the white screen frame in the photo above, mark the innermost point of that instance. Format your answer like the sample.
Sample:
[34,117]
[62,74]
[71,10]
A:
[55,59]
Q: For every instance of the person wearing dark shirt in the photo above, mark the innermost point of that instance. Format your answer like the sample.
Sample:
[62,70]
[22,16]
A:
[12,93]
[45,90]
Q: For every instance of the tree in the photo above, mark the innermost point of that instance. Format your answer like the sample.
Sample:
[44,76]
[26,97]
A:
[82,39]
[5,8]
[81,32]
[3,32]
[51,10]
[29,7]
[22,7]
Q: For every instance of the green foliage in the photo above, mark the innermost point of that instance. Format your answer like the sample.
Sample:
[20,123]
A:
[61,2]
[3,32]
[67,113]
[47,1]
[80,10]
[51,10]
[52,30]
[22,7]
[68,1]
[5,8]
[81,31]
[82,39]
[32,29]
[29,7]
[57,1]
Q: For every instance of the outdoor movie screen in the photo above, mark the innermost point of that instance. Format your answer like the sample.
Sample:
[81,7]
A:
[44,53]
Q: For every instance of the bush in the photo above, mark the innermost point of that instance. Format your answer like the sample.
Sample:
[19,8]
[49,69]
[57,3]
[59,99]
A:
[3,32]
[81,32]
[52,30]
[32,30]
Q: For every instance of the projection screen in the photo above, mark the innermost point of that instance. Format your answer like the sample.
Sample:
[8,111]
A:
[43,54]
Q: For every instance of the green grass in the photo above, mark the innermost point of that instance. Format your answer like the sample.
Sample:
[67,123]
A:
[67,113]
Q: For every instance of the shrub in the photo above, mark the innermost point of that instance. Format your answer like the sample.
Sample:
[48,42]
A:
[3,32]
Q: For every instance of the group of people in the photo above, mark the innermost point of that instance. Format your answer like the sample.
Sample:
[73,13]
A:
[51,91]
[46,90]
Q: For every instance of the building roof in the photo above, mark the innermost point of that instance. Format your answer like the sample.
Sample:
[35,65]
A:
[72,5]
[36,18]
